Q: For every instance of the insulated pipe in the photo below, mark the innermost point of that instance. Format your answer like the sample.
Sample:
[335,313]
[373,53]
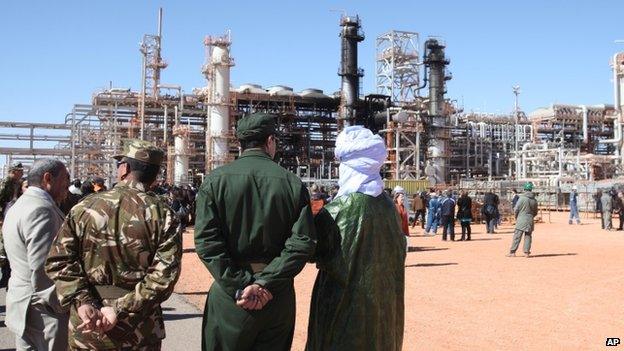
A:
[585,117]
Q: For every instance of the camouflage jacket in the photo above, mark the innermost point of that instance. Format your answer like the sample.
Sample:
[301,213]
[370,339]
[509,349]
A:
[8,191]
[123,238]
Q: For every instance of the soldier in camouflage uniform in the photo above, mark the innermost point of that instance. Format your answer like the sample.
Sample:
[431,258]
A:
[9,190]
[117,258]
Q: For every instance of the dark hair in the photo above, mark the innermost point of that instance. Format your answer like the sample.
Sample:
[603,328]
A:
[41,167]
[142,171]
[253,144]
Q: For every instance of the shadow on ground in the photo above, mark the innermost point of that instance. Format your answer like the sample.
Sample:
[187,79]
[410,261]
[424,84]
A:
[425,248]
[175,317]
[431,264]
[484,239]
[554,255]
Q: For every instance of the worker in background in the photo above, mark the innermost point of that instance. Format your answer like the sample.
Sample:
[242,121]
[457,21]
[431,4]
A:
[254,232]
[464,214]
[620,201]
[525,212]
[574,212]
[418,206]
[10,190]
[399,203]
[606,204]
[117,257]
[598,200]
[490,211]
[447,215]
[515,198]
[317,200]
[98,185]
[433,214]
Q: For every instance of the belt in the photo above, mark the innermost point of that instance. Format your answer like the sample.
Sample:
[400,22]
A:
[111,291]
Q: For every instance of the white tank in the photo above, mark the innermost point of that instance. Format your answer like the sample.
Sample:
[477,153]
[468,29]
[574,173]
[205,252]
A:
[313,93]
[250,88]
[181,155]
[281,90]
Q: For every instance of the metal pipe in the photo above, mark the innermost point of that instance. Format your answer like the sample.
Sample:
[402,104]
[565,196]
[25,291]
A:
[160,17]
[417,151]
[585,118]
[165,126]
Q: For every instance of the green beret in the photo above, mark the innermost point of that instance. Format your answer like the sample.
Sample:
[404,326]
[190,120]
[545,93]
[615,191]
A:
[142,151]
[257,126]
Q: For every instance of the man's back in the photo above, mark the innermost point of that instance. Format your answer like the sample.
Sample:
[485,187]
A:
[257,202]
[29,229]
[448,207]
[126,240]
[607,202]
[525,210]
[254,229]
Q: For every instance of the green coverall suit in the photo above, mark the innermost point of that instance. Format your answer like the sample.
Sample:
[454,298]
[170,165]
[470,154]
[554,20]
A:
[252,212]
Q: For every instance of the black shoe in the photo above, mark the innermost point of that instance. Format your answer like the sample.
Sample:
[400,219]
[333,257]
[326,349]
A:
[468,239]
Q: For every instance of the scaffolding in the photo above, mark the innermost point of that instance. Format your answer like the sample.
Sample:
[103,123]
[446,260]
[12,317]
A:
[398,66]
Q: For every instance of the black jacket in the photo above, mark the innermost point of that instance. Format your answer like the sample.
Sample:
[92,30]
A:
[464,207]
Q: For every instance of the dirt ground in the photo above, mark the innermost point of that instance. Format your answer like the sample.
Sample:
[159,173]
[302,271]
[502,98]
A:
[469,296]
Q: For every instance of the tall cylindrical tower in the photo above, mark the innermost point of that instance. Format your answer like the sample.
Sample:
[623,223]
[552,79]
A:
[217,72]
[439,133]
[351,35]
[181,155]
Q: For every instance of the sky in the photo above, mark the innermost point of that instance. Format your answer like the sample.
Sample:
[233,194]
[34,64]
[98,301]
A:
[57,53]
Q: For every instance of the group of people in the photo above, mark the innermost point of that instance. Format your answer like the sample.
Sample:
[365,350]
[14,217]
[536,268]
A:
[609,202]
[94,278]
[439,209]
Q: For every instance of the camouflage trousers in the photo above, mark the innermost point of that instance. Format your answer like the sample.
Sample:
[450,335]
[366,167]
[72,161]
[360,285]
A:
[154,347]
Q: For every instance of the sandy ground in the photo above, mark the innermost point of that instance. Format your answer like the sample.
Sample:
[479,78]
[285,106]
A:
[469,296]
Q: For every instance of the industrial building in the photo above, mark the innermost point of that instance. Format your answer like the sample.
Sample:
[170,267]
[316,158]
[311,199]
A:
[429,138]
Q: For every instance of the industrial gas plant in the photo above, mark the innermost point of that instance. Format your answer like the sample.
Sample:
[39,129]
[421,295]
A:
[431,142]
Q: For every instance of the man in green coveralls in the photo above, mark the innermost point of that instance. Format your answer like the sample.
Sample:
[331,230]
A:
[525,210]
[117,258]
[254,232]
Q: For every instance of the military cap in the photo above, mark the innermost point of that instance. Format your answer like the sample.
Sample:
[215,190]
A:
[141,150]
[16,166]
[257,126]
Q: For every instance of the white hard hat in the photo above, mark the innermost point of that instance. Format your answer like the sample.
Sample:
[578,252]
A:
[398,190]
[574,187]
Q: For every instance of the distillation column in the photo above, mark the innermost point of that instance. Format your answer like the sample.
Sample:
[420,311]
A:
[439,133]
[351,35]
[217,72]
[181,155]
